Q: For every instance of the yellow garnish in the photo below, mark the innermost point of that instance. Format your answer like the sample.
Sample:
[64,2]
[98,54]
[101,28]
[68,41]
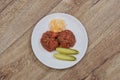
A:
[57,25]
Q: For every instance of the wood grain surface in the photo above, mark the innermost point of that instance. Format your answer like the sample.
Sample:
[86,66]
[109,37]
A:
[101,19]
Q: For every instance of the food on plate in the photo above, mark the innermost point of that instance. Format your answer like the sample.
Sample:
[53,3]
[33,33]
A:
[57,25]
[59,39]
[65,54]
[57,36]
[66,39]
[66,51]
[64,57]
[49,40]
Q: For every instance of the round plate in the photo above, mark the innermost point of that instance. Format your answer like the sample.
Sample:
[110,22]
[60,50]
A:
[47,57]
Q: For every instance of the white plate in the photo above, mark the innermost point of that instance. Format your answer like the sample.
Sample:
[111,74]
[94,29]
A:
[47,57]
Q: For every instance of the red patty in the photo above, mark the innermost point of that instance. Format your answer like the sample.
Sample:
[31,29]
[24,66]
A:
[51,40]
[66,39]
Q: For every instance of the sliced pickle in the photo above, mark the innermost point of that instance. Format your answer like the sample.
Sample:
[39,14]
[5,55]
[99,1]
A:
[64,57]
[66,51]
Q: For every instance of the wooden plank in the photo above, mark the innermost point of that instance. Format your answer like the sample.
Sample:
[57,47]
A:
[20,62]
[17,18]
[109,70]
[4,4]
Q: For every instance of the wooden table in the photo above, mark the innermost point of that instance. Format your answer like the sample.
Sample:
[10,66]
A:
[101,19]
